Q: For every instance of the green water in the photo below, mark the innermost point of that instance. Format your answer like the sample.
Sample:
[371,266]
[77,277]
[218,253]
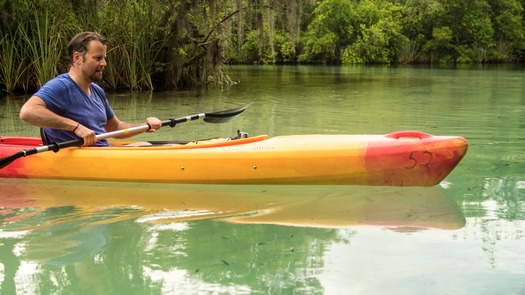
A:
[464,236]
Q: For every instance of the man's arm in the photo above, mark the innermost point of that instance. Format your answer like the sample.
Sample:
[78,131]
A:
[114,124]
[36,113]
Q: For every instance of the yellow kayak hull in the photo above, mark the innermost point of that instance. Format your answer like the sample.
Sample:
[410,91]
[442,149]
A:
[406,158]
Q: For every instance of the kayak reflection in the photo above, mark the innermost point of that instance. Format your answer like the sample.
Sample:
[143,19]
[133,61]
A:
[153,239]
[399,208]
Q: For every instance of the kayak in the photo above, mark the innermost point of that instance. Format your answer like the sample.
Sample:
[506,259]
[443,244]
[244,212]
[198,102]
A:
[405,158]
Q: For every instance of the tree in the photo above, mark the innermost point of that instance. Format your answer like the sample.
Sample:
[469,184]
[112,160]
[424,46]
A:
[330,32]
[419,19]
[509,29]
[379,33]
[472,31]
[440,46]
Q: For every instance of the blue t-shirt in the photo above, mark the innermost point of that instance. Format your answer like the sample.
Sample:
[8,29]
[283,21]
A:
[65,98]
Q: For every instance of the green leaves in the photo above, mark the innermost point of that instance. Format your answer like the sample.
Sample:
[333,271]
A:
[330,32]
[367,31]
[163,44]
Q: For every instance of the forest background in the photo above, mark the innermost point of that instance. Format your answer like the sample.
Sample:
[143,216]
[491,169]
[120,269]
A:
[173,44]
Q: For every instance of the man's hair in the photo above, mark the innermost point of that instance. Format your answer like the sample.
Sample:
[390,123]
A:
[80,43]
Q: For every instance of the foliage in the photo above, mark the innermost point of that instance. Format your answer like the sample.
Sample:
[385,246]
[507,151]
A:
[471,28]
[168,44]
[379,33]
[12,64]
[153,44]
[507,18]
[330,32]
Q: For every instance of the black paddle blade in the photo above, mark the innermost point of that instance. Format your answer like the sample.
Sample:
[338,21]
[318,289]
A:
[224,116]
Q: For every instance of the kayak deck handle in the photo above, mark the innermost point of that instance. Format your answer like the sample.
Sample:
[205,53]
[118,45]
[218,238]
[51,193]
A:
[409,134]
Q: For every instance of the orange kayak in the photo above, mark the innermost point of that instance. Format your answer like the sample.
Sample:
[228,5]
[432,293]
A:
[406,158]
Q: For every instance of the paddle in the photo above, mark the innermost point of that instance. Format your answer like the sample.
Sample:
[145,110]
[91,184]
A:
[216,117]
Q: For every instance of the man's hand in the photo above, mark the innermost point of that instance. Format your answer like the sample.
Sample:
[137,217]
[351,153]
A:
[86,134]
[154,124]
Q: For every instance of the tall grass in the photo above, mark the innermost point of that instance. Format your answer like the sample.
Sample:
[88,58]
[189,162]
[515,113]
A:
[44,47]
[409,52]
[137,40]
[32,49]
[12,64]
[152,44]
[132,61]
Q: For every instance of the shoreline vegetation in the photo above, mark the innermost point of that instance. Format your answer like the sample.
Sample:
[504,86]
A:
[173,44]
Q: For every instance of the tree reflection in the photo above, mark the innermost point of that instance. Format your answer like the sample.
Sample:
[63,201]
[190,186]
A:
[258,257]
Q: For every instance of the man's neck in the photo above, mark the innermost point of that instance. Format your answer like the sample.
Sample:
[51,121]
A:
[77,77]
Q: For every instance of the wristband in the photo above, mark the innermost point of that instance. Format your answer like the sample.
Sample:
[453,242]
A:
[78,124]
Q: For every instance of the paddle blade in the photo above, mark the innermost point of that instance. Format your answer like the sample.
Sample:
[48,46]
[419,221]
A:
[224,116]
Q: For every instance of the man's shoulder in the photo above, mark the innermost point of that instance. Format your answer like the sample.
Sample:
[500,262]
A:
[56,89]
[61,81]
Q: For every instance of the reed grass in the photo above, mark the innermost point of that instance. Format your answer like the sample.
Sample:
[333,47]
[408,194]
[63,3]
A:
[32,50]
[12,65]
[136,43]
[153,44]
[409,52]
[44,47]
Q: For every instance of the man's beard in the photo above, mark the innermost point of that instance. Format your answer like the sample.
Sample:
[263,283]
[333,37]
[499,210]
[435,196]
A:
[96,76]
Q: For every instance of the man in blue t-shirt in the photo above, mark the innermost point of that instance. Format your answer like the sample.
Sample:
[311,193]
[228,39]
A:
[71,105]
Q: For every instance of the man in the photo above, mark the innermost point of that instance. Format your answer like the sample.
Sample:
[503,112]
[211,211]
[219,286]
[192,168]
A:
[71,105]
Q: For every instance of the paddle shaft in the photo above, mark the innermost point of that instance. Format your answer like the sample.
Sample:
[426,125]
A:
[142,128]
[77,142]
[217,117]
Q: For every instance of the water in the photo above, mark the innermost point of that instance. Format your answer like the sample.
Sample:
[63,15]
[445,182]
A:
[465,236]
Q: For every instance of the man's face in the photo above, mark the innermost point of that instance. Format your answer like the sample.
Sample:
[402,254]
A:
[93,62]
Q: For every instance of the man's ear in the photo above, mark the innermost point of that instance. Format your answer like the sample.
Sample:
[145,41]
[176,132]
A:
[77,57]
